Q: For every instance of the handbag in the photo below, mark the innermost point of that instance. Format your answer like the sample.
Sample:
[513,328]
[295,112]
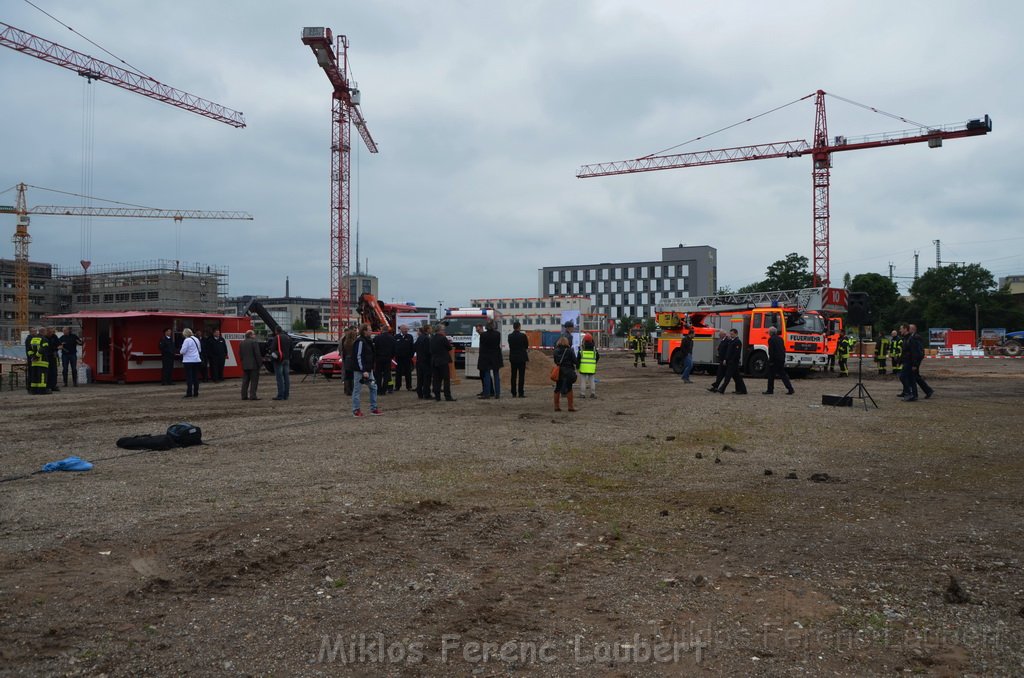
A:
[554,373]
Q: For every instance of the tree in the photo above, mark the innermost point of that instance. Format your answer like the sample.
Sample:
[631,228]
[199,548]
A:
[298,325]
[625,325]
[785,274]
[950,296]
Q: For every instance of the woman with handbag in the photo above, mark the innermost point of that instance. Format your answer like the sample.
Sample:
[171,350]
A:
[564,372]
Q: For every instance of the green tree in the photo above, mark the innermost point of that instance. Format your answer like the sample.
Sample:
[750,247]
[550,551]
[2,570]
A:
[624,325]
[298,325]
[790,273]
[950,296]
[883,296]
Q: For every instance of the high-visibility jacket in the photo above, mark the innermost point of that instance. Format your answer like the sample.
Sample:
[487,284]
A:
[844,346]
[588,362]
[36,352]
[882,349]
[896,349]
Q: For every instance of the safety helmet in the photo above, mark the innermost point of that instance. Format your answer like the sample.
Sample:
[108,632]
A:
[587,337]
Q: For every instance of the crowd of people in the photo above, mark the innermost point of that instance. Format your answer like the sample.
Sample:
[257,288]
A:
[45,353]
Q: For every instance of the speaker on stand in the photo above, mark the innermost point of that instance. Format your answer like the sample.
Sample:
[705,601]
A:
[858,312]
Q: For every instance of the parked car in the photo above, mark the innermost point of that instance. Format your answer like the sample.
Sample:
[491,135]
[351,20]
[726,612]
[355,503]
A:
[330,365]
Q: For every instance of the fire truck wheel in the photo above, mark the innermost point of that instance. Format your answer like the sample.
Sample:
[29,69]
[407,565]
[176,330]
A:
[758,365]
[676,361]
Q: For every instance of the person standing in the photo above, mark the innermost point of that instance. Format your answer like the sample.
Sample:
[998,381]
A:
[36,347]
[348,365]
[404,349]
[639,344]
[383,352]
[915,368]
[843,354]
[421,347]
[881,352]
[896,352]
[204,366]
[252,363]
[69,343]
[167,352]
[192,360]
[733,358]
[565,358]
[280,351]
[722,355]
[53,343]
[777,362]
[518,356]
[218,355]
[440,361]
[686,346]
[363,359]
[491,361]
[586,365]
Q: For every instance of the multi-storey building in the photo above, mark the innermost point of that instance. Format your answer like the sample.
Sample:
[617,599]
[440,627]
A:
[620,290]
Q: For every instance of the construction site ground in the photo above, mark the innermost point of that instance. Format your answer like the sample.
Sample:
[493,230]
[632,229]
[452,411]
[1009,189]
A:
[659,530]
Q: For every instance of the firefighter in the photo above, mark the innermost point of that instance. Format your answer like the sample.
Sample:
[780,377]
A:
[39,365]
[896,352]
[639,345]
[843,348]
[881,352]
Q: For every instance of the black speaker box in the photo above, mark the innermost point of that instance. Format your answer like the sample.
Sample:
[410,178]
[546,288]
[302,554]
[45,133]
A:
[837,401]
[858,309]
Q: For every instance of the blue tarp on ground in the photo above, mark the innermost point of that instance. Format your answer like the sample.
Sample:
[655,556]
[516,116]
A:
[69,464]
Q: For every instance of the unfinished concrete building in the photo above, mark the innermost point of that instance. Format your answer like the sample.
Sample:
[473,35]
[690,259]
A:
[160,285]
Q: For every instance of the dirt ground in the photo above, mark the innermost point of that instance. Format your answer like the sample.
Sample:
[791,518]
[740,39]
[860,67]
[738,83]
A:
[659,530]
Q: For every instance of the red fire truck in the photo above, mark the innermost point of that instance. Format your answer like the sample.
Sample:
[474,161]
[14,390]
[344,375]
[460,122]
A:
[799,316]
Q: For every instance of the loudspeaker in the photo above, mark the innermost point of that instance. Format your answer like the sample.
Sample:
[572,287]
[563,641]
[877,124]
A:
[858,310]
[312,319]
[837,401]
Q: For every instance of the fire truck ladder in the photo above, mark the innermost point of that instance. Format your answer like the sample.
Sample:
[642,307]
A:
[809,299]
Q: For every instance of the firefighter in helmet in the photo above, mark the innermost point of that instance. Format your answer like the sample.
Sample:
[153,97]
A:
[881,351]
[638,342]
[843,348]
[37,352]
[896,352]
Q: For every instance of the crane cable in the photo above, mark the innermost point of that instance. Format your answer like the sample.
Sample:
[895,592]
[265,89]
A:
[728,127]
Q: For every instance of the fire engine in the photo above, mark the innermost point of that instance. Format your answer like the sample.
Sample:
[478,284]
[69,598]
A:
[459,323]
[799,316]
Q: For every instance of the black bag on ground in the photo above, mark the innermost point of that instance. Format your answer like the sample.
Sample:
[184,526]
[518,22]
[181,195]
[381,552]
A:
[146,442]
[185,435]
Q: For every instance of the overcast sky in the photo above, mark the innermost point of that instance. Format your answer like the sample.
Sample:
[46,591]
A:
[484,111]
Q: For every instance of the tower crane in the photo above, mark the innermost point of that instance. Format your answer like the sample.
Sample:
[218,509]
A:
[345,112]
[93,69]
[22,239]
[821,155]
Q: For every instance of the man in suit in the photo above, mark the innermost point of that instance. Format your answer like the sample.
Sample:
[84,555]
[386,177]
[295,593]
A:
[423,366]
[440,361]
[723,353]
[252,362]
[777,362]
[518,356]
[218,355]
[383,351]
[734,356]
[403,357]
[167,351]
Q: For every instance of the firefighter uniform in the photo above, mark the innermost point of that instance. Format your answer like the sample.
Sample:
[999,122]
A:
[881,352]
[639,344]
[896,353]
[843,349]
[39,365]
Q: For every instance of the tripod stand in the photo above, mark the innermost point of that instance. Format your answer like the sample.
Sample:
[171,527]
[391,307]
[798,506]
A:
[862,391]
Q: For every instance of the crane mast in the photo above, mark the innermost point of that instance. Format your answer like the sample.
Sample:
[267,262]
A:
[821,153]
[345,112]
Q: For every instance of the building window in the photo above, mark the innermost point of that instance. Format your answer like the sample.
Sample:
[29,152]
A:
[604,274]
[626,286]
[589,287]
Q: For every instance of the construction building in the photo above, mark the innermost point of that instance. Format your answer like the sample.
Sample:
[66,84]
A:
[160,285]
[621,290]
[544,314]
[46,295]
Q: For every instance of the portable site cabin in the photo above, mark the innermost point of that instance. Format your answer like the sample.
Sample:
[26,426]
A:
[124,346]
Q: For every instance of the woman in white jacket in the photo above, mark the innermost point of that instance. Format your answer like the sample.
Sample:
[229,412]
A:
[191,359]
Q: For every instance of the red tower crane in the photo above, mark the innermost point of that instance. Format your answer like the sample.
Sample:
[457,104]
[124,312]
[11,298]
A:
[93,69]
[345,111]
[821,154]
